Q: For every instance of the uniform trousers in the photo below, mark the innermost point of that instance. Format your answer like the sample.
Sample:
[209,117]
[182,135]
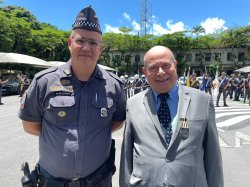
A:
[224,93]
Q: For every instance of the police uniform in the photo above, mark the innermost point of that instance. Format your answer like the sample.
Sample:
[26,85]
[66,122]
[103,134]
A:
[137,86]
[76,119]
[222,89]
[208,85]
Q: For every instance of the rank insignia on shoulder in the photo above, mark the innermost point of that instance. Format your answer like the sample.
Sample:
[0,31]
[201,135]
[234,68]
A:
[65,82]
[184,130]
[104,112]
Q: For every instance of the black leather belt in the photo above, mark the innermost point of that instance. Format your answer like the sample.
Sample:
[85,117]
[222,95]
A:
[63,182]
[89,181]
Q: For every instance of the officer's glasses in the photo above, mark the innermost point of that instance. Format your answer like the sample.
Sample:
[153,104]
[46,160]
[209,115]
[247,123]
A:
[83,41]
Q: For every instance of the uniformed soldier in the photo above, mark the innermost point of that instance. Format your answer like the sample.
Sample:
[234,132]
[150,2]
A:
[127,86]
[208,84]
[73,109]
[223,80]
[231,87]
[237,86]
[247,89]
[137,84]
[145,84]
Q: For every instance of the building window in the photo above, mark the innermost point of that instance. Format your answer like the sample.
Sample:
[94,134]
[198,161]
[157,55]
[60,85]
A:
[217,56]
[137,58]
[198,57]
[189,57]
[230,56]
[207,57]
[241,57]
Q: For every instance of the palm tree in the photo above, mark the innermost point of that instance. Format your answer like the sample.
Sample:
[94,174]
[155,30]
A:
[198,30]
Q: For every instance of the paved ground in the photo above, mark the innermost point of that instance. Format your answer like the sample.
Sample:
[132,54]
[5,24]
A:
[233,124]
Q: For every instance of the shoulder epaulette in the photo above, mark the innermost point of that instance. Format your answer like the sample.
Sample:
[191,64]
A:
[116,77]
[44,72]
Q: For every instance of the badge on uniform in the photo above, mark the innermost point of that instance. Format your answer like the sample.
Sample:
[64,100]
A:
[61,114]
[104,112]
[184,130]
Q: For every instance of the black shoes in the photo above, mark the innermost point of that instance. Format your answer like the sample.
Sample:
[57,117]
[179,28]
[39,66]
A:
[1,103]
[225,105]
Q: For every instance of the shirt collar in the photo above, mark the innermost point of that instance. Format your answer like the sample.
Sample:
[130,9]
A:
[173,93]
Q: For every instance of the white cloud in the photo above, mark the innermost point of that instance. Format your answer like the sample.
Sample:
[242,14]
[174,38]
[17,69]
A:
[177,27]
[136,26]
[212,25]
[126,16]
[159,30]
[170,28]
[109,28]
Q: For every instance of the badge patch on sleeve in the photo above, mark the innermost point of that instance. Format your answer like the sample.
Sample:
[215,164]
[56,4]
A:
[22,102]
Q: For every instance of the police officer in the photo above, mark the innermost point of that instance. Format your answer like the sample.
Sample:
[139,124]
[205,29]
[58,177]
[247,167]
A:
[25,84]
[73,109]
[1,85]
[208,84]
[223,80]
[145,84]
[127,86]
[231,87]
[137,84]
[237,87]
[247,89]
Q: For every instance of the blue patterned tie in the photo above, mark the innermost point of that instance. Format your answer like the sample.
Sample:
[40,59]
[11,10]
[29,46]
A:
[164,116]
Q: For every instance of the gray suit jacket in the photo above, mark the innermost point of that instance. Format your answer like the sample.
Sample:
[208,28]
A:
[146,160]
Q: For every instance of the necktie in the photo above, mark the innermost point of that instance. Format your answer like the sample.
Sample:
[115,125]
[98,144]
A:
[164,116]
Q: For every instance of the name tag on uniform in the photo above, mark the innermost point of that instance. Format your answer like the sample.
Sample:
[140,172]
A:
[104,112]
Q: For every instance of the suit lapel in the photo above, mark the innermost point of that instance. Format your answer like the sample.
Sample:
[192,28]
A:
[184,101]
[150,105]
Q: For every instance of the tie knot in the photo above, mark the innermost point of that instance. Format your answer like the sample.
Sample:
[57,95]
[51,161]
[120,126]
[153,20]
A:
[163,97]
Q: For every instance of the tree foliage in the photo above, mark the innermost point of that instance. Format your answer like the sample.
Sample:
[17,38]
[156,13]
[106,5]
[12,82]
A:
[21,32]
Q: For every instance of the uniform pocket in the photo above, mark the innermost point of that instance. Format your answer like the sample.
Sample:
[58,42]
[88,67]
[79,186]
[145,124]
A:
[102,109]
[60,110]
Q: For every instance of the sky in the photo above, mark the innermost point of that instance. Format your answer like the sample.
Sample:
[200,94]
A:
[167,16]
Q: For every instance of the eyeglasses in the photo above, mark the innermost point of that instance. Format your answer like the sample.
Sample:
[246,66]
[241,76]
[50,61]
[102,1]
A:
[83,41]
[154,69]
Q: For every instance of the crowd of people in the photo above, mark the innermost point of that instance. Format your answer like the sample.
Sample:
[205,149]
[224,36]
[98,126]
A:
[134,85]
[233,87]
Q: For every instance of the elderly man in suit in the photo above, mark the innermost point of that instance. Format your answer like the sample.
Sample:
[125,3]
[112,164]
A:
[170,137]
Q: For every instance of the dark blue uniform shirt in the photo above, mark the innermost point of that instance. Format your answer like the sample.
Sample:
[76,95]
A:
[76,119]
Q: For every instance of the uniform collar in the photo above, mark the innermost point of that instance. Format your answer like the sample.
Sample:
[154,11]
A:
[66,71]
